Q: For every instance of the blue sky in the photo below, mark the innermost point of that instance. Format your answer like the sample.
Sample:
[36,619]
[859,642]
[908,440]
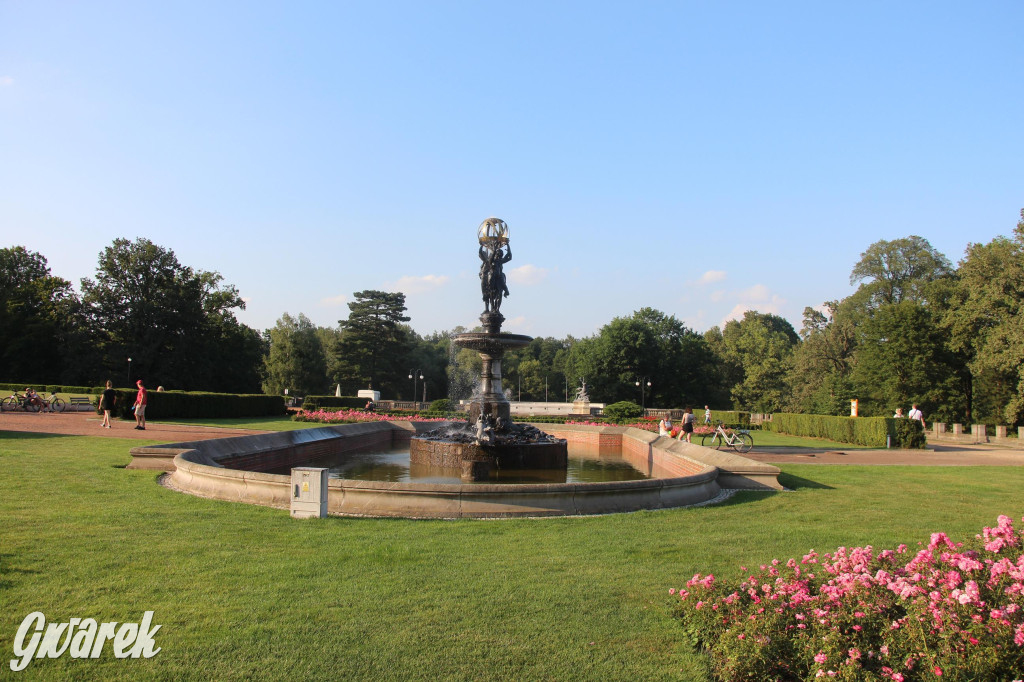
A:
[699,158]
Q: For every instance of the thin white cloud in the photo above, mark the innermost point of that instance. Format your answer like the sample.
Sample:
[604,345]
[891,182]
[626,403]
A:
[527,275]
[334,301]
[6,81]
[712,276]
[716,296]
[757,297]
[418,285]
[518,323]
[756,293]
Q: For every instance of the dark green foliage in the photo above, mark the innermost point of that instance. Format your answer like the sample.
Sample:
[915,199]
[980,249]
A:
[296,360]
[623,410]
[441,405]
[198,405]
[317,402]
[37,316]
[648,345]
[177,324]
[373,342]
[869,431]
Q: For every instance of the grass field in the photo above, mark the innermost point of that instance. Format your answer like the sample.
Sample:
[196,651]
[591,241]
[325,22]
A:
[245,592]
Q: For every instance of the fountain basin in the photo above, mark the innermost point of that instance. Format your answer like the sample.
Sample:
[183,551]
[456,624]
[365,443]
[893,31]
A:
[683,474]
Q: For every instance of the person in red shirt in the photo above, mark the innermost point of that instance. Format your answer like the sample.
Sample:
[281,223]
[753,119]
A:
[140,406]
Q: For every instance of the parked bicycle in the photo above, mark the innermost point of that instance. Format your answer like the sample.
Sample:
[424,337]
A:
[55,403]
[740,441]
[18,402]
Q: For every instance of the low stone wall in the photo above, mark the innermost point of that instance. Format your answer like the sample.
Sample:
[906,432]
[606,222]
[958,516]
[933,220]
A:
[977,434]
[683,474]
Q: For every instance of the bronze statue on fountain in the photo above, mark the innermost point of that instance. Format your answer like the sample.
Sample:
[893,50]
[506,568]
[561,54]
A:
[491,441]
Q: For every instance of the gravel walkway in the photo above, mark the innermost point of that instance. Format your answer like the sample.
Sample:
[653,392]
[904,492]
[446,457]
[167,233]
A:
[89,424]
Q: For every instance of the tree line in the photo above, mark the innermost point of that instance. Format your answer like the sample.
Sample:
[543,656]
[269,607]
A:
[916,329]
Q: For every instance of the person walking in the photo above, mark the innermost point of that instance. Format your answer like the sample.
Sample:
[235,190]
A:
[107,404]
[707,415]
[687,430]
[140,406]
[916,415]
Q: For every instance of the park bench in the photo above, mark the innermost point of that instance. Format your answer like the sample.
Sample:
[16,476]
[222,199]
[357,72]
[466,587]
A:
[76,402]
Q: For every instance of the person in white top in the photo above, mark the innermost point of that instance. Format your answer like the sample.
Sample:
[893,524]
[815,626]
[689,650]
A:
[916,414]
[707,414]
[665,426]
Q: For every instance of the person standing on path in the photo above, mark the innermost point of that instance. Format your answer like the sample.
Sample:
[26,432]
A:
[707,415]
[688,420]
[140,406]
[107,404]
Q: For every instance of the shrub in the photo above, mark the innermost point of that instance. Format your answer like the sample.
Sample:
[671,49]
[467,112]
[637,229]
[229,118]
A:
[948,609]
[441,405]
[623,411]
[869,431]
[315,402]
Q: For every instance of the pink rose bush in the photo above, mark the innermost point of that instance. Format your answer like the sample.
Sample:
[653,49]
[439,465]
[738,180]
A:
[950,610]
[345,416]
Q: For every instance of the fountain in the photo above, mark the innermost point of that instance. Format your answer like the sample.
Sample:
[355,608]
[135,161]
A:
[490,441]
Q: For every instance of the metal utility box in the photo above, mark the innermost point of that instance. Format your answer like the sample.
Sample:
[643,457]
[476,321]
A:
[309,493]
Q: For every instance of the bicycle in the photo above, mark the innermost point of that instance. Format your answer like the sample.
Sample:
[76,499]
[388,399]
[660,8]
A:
[54,403]
[16,401]
[741,441]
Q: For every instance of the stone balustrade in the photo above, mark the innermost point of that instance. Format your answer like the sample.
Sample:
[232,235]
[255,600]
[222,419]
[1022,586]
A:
[978,434]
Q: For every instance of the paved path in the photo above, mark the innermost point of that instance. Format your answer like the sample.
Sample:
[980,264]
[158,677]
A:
[88,424]
[934,455]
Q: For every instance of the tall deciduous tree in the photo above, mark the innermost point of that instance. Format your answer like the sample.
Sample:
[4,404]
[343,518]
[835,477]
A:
[820,379]
[175,323]
[374,341]
[648,345]
[296,359]
[986,321]
[761,345]
[898,270]
[38,314]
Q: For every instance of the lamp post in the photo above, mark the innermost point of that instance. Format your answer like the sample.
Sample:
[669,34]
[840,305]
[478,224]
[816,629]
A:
[413,373]
[129,371]
[424,391]
[644,383]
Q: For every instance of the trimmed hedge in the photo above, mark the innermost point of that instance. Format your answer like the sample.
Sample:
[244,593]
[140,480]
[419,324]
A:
[868,431]
[51,388]
[316,402]
[197,404]
[731,418]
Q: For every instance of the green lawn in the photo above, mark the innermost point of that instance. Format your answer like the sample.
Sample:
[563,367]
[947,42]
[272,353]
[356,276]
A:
[246,592]
[255,423]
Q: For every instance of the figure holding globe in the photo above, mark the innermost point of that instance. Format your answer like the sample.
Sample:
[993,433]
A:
[495,251]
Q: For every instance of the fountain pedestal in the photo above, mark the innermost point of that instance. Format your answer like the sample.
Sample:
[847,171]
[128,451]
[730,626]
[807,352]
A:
[490,441]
